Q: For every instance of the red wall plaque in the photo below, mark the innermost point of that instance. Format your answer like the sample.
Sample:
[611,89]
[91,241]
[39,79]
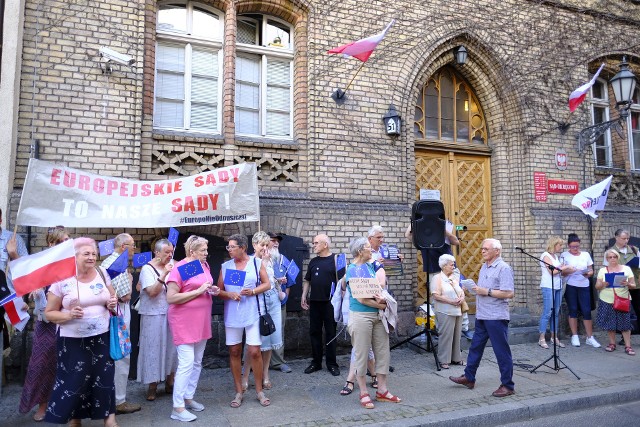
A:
[562,186]
[540,186]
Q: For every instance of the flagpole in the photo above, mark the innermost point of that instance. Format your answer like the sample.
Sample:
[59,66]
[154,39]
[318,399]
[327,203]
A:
[354,76]
[339,94]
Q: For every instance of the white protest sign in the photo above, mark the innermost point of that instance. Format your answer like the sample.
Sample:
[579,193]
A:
[364,287]
[56,194]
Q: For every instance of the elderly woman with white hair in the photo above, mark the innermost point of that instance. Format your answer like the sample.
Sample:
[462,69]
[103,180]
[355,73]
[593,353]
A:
[448,298]
[365,325]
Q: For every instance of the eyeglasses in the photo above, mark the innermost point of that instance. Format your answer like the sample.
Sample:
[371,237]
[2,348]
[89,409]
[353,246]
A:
[612,257]
[316,243]
[574,246]
[57,227]
[133,245]
[229,247]
[485,249]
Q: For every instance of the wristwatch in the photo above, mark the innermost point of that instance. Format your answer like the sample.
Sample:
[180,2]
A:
[489,293]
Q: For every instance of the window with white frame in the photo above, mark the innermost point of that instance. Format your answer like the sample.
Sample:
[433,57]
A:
[188,67]
[264,74]
[633,124]
[599,114]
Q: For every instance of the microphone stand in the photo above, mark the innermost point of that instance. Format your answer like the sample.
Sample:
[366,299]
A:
[557,362]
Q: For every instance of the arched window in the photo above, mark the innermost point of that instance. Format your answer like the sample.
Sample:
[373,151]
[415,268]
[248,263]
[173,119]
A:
[264,74]
[188,67]
[447,110]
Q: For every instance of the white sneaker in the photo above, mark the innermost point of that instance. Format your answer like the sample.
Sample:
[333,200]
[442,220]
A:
[185,416]
[575,340]
[194,406]
[592,342]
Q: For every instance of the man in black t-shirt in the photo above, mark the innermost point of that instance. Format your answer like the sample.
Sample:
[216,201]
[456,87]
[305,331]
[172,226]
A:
[321,277]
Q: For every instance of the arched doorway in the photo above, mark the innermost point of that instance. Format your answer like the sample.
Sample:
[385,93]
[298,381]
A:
[452,157]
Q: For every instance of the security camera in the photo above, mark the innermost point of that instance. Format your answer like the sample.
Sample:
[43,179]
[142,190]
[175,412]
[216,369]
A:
[111,55]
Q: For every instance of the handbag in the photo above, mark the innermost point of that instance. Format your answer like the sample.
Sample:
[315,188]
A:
[620,304]
[464,306]
[267,326]
[119,343]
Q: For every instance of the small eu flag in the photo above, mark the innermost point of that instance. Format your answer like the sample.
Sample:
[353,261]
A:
[190,269]
[362,271]
[341,261]
[173,236]
[284,262]
[293,270]
[106,247]
[141,259]
[120,265]
[234,277]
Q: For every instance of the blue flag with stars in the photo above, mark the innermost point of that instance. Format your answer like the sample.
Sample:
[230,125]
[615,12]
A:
[234,277]
[190,269]
[141,259]
[120,265]
[284,262]
[106,247]
[173,236]
[293,270]
[341,261]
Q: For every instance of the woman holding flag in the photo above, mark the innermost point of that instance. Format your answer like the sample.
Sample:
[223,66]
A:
[84,385]
[269,303]
[241,279]
[366,327]
[189,290]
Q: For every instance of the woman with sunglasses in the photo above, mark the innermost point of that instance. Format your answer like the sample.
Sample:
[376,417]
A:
[577,273]
[627,252]
[608,318]
[42,364]
[247,278]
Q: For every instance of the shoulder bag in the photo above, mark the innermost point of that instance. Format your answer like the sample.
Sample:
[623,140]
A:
[267,326]
[620,304]
[119,342]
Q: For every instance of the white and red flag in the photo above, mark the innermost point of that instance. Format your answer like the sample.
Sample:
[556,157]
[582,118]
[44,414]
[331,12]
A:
[363,48]
[578,95]
[36,271]
[16,313]
[593,198]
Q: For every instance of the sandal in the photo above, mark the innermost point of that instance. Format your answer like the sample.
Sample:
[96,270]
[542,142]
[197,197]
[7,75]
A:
[444,365]
[629,351]
[264,400]
[387,397]
[543,344]
[151,393]
[460,363]
[75,423]
[366,402]
[267,385]
[38,418]
[347,390]
[237,401]
[374,381]
[559,344]
[610,348]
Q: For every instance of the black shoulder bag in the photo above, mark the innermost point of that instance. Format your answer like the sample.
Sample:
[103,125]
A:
[267,327]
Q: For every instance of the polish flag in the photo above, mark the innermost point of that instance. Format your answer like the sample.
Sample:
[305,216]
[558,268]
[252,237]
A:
[44,268]
[16,314]
[362,49]
[578,95]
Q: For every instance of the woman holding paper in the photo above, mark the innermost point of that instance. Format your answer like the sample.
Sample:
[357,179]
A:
[157,359]
[551,287]
[42,365]
[241,279]
[609,286]
[628,256]
[189,298]
[365,326]
[448,298]
[579,269]
[84,385]
[269,303]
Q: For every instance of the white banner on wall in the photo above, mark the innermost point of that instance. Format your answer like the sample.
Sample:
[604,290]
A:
[58,195]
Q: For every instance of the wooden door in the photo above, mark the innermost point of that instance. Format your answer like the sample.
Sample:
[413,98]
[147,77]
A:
[464,182]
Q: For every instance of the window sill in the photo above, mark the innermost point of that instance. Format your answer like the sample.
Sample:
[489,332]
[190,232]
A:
[248,141]
[186,136]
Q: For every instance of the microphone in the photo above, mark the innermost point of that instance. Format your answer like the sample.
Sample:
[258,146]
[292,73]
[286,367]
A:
[518,248]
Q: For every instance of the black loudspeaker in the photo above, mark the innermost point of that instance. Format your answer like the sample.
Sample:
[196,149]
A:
[428,224]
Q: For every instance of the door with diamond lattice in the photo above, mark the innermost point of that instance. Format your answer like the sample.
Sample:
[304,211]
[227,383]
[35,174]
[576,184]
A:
[464,182]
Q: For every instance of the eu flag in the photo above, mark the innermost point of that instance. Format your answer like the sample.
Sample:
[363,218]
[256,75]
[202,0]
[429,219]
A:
[141,259]
[293,270]
[173,236]
[106,247]
[363,271]
[234,277]
[284,262]
[120,265]
[190,269]
[341,261]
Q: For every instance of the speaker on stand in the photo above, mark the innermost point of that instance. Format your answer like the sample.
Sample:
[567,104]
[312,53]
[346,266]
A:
[428,232]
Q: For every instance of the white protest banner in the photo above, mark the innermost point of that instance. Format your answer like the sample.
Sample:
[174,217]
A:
[55,194]
[364,287]
[594,198]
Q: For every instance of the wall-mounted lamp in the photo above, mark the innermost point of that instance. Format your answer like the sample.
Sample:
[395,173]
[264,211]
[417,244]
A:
[461,55]
[392,121]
